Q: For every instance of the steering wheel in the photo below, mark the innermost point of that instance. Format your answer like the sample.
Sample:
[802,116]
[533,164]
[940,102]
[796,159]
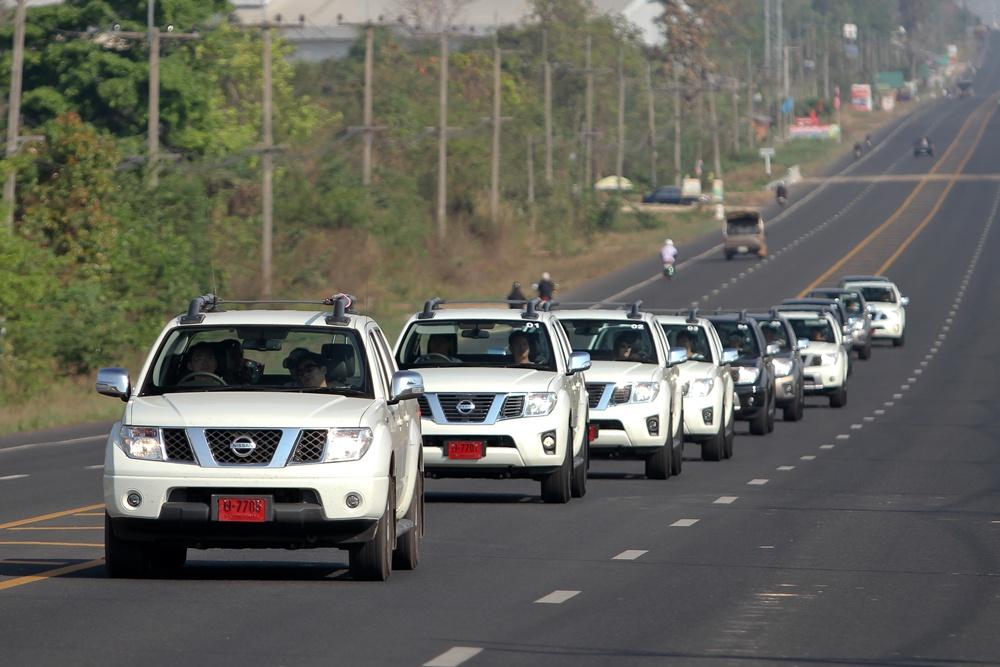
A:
[434,356]
[205,374]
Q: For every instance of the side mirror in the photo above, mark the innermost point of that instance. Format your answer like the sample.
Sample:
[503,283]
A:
[677,355]
[904,301]
[803,343]
[772,349]
[114,382]
[846,330]
[578,361]
[729,355]
[405,385]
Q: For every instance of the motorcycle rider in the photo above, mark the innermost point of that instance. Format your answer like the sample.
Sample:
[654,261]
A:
[868,142]
[858,149]
[781,193]
[668,254]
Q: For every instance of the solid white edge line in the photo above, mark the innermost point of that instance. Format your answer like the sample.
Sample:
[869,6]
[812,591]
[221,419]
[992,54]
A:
[56,443]
[454,656]
[10,477]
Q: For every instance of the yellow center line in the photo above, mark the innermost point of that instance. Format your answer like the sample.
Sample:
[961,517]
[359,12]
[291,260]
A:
[992,101]
[69,569]
[19,561]
[89,514]
[58,528]
[923,223]
[53,515]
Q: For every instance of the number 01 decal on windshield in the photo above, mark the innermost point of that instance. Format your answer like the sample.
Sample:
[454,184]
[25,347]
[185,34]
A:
[531,325]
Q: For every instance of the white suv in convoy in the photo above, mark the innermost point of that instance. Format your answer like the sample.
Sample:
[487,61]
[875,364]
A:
[707,383]
[505,395]
[633,387]
[265,428]
[887,305]
[824,358]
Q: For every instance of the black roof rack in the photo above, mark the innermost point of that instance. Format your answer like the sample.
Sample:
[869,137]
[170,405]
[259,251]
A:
[209,303]
[741,313]
[531,307]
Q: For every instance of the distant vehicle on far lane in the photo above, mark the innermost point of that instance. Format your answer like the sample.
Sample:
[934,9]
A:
[671,194]
[923,146]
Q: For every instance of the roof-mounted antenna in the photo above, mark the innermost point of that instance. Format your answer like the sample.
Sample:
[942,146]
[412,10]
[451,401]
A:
[197,308]
[531,313]
[633,312]
[692,317]
[430,306]
[743,315]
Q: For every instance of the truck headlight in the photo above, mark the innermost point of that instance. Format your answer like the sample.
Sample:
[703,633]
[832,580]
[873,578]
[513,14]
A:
[747,374]
[347,444]
[783,367]
[700,387]
[142,442]
[644,392]
[539,404]
[828,359]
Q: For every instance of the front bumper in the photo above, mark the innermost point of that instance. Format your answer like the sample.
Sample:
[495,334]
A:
[821,379]
[513,447]
[702,415]
[785,390]
[638,427]
[753,399]
[886,329]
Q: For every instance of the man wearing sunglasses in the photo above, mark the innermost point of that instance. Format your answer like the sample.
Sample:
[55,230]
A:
[309,370]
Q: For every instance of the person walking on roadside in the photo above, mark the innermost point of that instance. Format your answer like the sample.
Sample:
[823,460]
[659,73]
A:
[546,287]
[516,295]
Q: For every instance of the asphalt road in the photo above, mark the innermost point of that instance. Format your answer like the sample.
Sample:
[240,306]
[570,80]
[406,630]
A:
[867,535]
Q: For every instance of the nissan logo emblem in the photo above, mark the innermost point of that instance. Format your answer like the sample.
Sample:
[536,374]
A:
[243,446]
[465,407]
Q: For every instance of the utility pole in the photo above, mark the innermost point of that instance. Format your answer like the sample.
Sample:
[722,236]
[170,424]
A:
[620,162]
[589,123]
[716,158]
[677,124]
[366,154]
[14,107]
[736,120]
[442,194]
[785,86]
[767,39]
[651,113]
[779,43]
[751,138]
[495,158]
[531,184]
[548,107]
[267,196]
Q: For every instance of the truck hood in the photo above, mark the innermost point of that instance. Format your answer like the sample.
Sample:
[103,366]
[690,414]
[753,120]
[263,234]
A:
[622,371]
[483,379]
[692,370]
[247,410]
[816,348]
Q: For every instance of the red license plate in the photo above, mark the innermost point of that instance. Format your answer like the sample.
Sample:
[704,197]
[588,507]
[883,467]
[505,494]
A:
[247,509]
[466,449]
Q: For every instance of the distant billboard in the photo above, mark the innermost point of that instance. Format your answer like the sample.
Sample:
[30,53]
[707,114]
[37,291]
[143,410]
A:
[851,31]
[861,97]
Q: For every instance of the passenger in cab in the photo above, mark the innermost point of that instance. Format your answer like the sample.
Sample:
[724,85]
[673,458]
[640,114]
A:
[627,346]
[520,347]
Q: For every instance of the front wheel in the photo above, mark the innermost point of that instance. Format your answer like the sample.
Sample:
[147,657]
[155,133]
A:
[372,561]
[714,449]
[556,487]
[578,486]
[865,352]
[898,342]
[407,552]
[838,399]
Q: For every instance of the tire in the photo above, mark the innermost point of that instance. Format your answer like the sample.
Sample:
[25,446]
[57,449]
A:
[729,256]
[677,453]
[406,555]
[123,558]
[796,410]
[660,463]
[372,561]
[578,485]
[838,399]
[758,425]
[898,342]
[556,487]
[772,411]
[865,352]
[715,448]
[730,438]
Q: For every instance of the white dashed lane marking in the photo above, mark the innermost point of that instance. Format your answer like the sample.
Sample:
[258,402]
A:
[725,500]
[856,426]
[868,419]
[454,657]
[808,458]
[630,554]
[880,412]
[843,436]
[826,446]
[786,468]
[557,597]
[757,482]
[684,523]
[97,467]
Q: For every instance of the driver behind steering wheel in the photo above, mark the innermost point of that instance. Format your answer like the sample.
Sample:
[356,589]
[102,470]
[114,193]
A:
[439,346]
[202,366]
